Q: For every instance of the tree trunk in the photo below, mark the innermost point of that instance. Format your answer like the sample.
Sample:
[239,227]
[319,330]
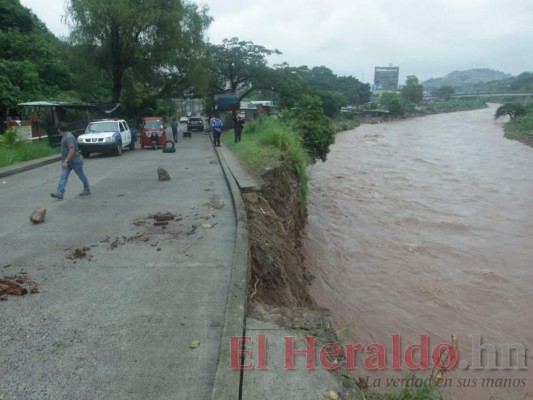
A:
[118,68]
[117,84]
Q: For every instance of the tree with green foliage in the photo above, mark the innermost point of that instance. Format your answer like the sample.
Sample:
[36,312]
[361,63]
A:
[445,92]
[314,126]
[322,78]
[413,91]
[32,60]
[511,109]
[288,84]
[327,82]
[154,37]
[240,66]
[332,102]
[522,83]
[392,102]
[355,91]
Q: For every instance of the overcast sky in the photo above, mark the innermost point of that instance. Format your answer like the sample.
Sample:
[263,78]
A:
[426,38]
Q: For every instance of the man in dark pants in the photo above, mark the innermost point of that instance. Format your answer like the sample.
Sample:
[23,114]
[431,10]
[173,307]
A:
[70,160]
[174,126]
[216,125]
[237,128]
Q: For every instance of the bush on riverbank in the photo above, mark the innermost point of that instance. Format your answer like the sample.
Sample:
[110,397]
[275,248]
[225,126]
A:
[521,128]
[13,150]
[314,126]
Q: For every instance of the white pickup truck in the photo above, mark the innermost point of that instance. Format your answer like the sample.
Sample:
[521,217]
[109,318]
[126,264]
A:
[106,136]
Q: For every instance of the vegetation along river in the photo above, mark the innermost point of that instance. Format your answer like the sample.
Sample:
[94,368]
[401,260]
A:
[425,226]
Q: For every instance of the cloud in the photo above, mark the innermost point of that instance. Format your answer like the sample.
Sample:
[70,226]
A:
[426,38]
[51,13]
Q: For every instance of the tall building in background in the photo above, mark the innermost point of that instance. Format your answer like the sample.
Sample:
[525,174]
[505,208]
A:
[386,78]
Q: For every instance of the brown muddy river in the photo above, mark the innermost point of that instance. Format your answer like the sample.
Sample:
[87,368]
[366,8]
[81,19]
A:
[425,226]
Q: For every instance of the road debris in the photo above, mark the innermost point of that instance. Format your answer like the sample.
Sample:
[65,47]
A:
[79,254]
[208,226]
[193,230]
[38,215]
[185,250]
[18,285]
[214,203]
[333,395]
[162,174]
[159,217]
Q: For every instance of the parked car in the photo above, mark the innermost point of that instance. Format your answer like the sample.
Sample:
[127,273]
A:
[153,133]
[195,124]
[106,136]
[184,120]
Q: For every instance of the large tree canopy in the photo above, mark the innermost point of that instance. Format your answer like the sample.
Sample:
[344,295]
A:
[32,61]
[240,66]
[157,37]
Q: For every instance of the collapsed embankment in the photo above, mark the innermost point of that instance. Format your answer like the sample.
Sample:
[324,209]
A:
[276,217]
[279,282]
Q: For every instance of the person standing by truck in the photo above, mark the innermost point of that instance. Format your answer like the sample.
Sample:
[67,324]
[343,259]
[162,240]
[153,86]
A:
[70,160]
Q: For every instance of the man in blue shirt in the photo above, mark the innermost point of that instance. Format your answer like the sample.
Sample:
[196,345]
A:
[216,124]
[70,160]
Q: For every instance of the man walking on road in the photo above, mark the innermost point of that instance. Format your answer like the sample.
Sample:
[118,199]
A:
[70,160]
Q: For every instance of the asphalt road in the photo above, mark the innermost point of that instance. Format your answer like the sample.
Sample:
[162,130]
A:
[116,319]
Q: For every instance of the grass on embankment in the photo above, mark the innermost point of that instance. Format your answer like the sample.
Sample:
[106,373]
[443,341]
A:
[25,151]
[405,393]
[265,144]
[520,128]
[268,143]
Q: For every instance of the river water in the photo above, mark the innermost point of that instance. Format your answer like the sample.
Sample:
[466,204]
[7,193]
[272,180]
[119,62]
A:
[425,226]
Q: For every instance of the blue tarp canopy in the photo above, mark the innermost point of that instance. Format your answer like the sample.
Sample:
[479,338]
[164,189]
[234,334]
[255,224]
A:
[227,101]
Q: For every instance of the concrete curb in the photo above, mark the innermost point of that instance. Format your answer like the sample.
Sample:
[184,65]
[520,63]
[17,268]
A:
[27,165]
[227,382]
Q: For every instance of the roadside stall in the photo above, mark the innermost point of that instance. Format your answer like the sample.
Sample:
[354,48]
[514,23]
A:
[45,117]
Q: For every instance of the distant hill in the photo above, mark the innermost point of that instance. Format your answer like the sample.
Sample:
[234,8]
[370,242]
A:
[461,80]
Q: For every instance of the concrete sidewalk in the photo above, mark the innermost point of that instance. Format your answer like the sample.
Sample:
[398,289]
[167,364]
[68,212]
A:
[278,382]
[245,182]
[27,165]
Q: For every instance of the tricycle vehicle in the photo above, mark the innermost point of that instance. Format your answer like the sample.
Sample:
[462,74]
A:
[153,133]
